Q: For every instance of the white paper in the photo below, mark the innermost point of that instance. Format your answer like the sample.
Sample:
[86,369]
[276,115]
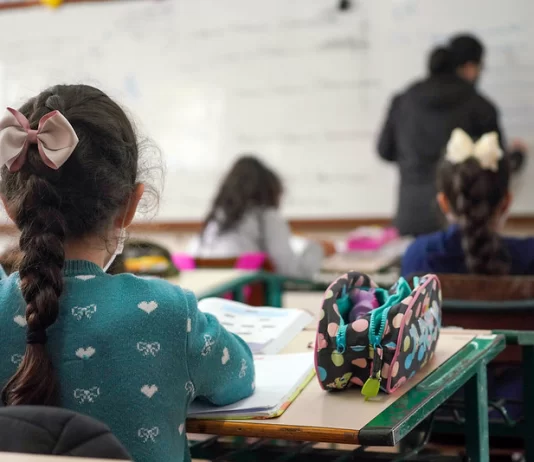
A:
[277,379]
[265,330]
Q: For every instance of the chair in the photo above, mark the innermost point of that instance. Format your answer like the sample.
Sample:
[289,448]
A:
[502,304]
[253,294]
[52,430]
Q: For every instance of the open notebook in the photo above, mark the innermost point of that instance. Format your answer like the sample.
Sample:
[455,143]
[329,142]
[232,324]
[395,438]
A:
[279,380]
[266,330]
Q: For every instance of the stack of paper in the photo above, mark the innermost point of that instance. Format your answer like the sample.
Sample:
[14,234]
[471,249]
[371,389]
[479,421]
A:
[279,380]
[265,330]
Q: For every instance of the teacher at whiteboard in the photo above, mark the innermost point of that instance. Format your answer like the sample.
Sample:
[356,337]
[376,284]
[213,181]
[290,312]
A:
[420,121]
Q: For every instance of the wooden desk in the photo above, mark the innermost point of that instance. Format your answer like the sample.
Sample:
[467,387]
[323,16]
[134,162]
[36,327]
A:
[345,418]
[215,282]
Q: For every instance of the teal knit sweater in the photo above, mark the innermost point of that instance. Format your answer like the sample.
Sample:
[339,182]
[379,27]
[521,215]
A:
[132,353]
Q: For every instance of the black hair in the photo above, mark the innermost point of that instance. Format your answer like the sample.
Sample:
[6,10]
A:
[248,184]
[474,195]
[466,48]
[440,62]
[462,49]
[50,207]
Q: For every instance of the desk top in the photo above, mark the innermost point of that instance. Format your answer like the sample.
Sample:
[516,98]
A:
[210,282]
[346,418]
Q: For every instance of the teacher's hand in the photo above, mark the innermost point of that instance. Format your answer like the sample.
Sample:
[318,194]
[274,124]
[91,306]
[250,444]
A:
[518,145]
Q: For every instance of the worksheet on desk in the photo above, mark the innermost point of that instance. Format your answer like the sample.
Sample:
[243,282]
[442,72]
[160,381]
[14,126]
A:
[265,330]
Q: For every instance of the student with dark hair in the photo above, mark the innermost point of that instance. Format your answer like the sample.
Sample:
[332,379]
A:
[245,218]
[474,193]
[420,121]
[130,352]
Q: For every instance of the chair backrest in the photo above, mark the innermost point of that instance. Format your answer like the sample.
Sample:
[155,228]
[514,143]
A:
[52,430]
[254,295]
[489,303]
[487,288]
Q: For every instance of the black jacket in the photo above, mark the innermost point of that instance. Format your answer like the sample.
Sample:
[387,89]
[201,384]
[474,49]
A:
[51,430]
[416,131]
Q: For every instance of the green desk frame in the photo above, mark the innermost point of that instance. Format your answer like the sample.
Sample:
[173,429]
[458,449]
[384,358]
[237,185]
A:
[467,368]
[275,286]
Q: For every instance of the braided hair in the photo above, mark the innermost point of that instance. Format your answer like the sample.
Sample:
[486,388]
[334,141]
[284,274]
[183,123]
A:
[474,195]
[51,207]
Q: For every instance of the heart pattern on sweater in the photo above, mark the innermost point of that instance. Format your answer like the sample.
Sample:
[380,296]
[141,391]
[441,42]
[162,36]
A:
[149,390]
[85,277]
[85,353]
[20,320]
[225,357]
[148,307]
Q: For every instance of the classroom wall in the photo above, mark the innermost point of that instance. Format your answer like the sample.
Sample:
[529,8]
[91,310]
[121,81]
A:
[300,82]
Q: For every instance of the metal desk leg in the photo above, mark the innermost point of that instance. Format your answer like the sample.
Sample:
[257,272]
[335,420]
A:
[238,294]
[528,401]
[274,289]
[476,416]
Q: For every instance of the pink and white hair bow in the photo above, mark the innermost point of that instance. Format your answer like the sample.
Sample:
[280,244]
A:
[55,139]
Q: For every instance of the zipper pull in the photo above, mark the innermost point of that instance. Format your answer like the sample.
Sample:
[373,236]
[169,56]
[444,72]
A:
[371,386]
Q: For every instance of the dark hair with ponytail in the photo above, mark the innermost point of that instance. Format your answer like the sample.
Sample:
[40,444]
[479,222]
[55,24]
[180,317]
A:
[248,184]
[50,207]
[474,195]
[440,62]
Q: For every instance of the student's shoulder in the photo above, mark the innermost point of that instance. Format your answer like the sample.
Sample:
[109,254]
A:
[427,241]
[270,213]
[417,254]
[523,246]
[9,282]
[166,294]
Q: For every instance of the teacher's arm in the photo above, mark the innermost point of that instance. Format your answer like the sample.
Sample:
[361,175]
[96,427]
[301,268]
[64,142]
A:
[387,145]
[516,151]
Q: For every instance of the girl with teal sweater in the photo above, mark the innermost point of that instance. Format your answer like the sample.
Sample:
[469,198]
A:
[130,352]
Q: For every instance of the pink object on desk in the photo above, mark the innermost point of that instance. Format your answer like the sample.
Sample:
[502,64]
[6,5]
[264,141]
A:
[247,261]
[251,261]
[184,262]
[370,238]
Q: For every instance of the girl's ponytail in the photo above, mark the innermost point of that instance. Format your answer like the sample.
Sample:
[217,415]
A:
[43,230]
[440,61]
[475,179]
[484,253]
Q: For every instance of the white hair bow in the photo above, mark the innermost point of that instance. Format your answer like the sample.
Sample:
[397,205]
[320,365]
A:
[486,150]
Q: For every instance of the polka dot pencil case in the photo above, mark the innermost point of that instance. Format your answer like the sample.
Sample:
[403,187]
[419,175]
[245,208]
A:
[376,338]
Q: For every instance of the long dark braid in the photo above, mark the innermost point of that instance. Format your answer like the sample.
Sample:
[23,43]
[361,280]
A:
[51,207]
[474,195]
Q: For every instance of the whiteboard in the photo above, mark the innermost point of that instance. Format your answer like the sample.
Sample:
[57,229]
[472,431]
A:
[298,82]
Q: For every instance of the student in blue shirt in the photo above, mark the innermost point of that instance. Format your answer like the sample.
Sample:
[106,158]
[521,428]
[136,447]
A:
[130,352]
[474,194]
